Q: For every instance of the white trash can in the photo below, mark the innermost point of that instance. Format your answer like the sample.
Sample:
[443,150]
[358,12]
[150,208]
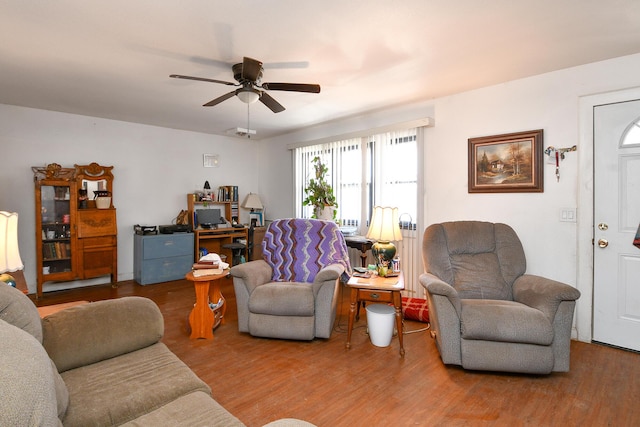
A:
[380,322]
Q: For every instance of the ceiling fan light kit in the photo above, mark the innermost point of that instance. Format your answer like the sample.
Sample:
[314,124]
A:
[248,95]
[248,73]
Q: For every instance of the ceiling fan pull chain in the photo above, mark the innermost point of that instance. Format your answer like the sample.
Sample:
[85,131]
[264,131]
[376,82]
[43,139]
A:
[248,123]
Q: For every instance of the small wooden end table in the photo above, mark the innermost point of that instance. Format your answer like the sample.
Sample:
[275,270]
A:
[203,320]
[376,289]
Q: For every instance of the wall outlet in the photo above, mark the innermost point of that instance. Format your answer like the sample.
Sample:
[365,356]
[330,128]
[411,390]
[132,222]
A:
[568,215]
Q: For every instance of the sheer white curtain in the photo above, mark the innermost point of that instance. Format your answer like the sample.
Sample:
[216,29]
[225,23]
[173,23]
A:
[395,171]
[342,159]
[383,169]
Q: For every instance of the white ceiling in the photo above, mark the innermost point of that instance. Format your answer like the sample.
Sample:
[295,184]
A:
[112,59]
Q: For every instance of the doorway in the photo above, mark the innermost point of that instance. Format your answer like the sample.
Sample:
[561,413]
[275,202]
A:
[585,215]
[616,217]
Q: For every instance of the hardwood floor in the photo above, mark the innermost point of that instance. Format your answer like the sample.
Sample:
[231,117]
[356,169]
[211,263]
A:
[260,380]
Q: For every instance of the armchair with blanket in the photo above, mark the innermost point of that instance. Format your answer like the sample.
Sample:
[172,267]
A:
[292,292]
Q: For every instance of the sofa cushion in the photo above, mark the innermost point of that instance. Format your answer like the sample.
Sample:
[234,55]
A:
[124,388]
[478,276]
[195,409]
[62,392]
[506,321]
[17,309]
[28,389]
[283,299]
[88,333]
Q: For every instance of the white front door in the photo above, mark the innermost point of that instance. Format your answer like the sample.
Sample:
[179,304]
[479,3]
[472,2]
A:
[616,293]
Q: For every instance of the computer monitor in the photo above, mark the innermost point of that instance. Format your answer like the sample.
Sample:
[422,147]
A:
[208,218]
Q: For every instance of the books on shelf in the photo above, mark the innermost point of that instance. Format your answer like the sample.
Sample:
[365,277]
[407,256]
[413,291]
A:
[56,250]
[228,193]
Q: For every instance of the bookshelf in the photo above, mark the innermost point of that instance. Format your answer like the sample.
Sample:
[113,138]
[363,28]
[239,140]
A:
[213,240]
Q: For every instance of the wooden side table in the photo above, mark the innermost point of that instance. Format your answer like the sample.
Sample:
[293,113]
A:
[377,289]
[203,320]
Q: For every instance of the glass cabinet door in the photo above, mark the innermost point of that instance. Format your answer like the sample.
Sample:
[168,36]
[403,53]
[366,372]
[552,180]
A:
[55,203]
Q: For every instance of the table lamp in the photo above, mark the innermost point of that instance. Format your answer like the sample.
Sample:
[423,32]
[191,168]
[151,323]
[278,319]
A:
[9,253]
[384,228]
[252,201]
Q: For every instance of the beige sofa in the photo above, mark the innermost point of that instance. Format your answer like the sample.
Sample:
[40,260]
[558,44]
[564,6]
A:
[98,364]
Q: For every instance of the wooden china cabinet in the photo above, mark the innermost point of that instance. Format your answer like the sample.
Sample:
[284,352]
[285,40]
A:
[75,239]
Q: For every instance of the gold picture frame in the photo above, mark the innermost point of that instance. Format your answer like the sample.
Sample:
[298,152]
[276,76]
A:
[508,163]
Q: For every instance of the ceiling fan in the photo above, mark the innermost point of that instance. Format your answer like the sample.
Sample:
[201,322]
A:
[248,74]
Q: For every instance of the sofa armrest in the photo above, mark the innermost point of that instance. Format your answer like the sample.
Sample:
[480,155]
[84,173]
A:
[435,286]
[89,333]
[542,293]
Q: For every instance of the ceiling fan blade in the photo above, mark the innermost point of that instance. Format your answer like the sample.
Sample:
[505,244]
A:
[281,65]
[273,105]
[220,99]
[292,87]
[251,69]
[202,79]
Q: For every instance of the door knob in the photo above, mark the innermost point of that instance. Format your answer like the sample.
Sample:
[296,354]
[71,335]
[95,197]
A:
[603,243]
[603,226]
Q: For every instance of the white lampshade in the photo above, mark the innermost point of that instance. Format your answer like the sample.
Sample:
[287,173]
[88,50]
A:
[252,201]
[9,253]
[384,225]
[248,96]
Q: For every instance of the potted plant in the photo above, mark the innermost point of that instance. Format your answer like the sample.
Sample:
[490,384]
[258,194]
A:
[320,193]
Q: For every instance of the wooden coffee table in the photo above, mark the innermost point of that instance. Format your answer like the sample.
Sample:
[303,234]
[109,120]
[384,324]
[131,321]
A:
[376,289]
[203,320]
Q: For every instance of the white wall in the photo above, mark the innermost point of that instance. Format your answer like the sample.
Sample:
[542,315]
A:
[549,102]
[154,169]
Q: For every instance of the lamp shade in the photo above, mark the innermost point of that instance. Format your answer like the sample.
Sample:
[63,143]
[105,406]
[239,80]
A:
[9,253]
[252,201]
[384,225]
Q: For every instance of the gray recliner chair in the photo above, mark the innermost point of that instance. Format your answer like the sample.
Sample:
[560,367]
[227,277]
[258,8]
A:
[292,292]
[486,313]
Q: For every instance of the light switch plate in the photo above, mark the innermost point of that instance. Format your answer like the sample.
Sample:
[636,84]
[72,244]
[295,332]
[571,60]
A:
[568,215]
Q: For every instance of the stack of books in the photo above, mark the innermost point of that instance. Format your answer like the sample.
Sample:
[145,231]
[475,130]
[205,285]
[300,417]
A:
[206,268]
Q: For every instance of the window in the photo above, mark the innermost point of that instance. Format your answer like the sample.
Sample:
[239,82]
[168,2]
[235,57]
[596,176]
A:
[383,169]
[379,170]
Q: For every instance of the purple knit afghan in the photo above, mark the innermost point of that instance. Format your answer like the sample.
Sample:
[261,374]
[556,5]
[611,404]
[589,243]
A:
[297,249]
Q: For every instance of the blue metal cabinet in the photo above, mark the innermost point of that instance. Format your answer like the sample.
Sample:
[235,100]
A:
[162,257]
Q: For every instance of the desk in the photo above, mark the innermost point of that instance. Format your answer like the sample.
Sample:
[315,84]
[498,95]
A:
[202,319]
[362,244]
[213,239]
[376,289]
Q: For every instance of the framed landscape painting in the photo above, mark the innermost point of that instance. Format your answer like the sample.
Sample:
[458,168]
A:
[509,163]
